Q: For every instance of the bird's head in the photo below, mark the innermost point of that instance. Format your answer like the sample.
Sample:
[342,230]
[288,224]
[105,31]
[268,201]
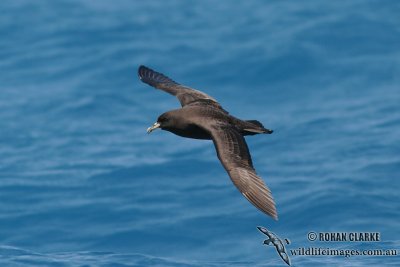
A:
[164,121]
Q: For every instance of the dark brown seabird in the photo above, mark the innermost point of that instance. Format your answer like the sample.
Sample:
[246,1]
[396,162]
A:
[202,117]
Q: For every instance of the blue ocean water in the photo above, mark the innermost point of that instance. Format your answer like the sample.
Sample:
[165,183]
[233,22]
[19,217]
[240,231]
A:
[82,184]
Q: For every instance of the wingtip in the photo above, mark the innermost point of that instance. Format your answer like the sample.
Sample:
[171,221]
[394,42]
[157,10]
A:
[141,71]
[261,229]
[274,214]
[152,77]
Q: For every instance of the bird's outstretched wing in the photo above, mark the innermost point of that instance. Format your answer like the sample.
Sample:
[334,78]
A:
[234,155]
[184,94]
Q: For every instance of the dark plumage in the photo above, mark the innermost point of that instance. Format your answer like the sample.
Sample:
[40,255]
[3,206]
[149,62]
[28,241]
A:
[202,117]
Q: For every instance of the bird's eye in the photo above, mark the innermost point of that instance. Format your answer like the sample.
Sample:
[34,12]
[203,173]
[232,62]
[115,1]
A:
[162,119]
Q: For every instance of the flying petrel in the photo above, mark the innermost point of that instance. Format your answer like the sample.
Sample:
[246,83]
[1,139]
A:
[202,117]
[273,239]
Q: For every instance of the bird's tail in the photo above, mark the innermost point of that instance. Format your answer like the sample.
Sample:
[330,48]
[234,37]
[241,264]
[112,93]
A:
[253,127]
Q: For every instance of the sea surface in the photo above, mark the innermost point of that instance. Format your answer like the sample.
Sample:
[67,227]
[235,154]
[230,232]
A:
[83,184]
